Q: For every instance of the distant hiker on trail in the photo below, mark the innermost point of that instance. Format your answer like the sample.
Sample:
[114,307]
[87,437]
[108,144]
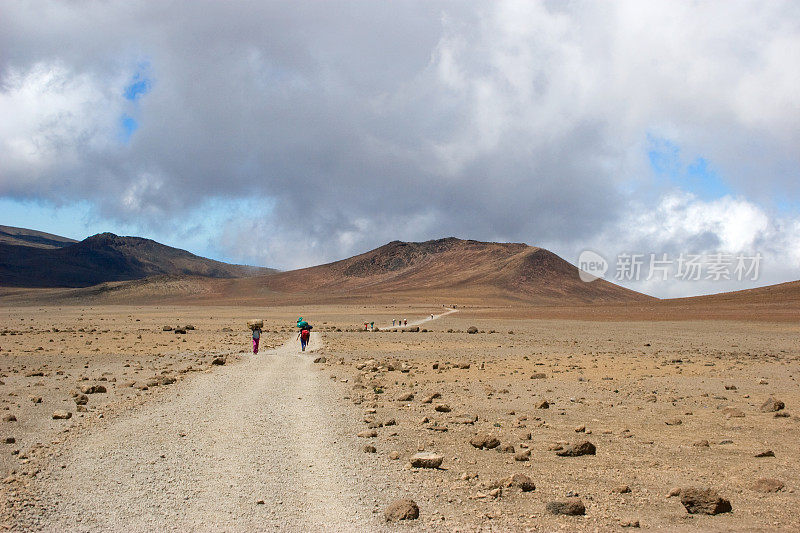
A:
[393,322]
[256,338]
[405,321]
[304,334]
[372,326]
[366,326]
[431,316]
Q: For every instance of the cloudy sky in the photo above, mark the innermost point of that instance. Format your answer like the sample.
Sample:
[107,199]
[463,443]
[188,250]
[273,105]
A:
[288,134]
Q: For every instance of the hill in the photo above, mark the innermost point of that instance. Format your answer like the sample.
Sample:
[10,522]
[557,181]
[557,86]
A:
[450,268]
[10,235]
[35,259]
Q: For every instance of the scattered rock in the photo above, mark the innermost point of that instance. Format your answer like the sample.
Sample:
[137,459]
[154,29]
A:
[766,453]
[674,491]
[9,418]
[93,389]
[442,408]
[621,489]
[320,359]
[10,440]
[577,449]
[368,433]
[485,441]
[472,330]
[544,404]
[430,397]
[166,328]
[629,522]
[522,455]
[703,443]
[767,485]
[674,422]
[771,405]
[406,397]
[404,509]
[394,455]
[426,460]
[218,361]
[567,506]
[506,448]
[519,481]
[62,415]
[369,448]
[81,399]
[704,501]
[539,375]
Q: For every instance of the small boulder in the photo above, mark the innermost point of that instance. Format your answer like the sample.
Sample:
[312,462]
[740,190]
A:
[81,399]
[621,489]
[472,330]
[567,506]
[369,448]
[442,408]
[519,481]
[426,460]
[522,455]
[544,404]
[368,433]
[704,501]
[406,397]
[9,418]
[62,415]
[404,509]
[577,449]
[767,485]
[485,441]
[766,453]
[771,405]
[218,361]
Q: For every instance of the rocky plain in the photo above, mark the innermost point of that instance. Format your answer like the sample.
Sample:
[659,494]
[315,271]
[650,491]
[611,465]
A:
[478,420]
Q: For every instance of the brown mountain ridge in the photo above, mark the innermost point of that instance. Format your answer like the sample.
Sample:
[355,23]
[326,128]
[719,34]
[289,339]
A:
[35,259]
[450,267]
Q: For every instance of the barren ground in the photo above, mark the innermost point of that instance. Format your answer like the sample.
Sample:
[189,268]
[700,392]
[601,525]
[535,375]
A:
[199,453]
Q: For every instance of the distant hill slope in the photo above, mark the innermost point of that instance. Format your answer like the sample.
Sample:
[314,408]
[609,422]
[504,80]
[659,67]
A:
[451,267]
[100,258]
[33,238]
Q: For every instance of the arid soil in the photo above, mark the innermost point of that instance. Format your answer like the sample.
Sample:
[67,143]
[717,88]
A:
[666,404]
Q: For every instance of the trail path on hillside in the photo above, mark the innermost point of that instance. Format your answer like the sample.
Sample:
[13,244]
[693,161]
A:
[423,320]
[269,427]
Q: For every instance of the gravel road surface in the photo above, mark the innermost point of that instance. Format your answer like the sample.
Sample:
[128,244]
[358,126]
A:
[268,428]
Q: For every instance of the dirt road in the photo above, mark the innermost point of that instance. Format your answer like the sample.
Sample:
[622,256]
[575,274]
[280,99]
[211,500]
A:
[422,320]
[266,428]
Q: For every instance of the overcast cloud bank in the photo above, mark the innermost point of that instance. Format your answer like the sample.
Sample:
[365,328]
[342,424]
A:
[326,129]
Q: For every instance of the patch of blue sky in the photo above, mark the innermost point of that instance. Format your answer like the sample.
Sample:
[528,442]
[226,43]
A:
[128,125]
[695,175]
[74,220]
[139,85]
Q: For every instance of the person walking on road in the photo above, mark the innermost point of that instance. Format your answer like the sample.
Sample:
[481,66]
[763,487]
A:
[304,335]
[256,338]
